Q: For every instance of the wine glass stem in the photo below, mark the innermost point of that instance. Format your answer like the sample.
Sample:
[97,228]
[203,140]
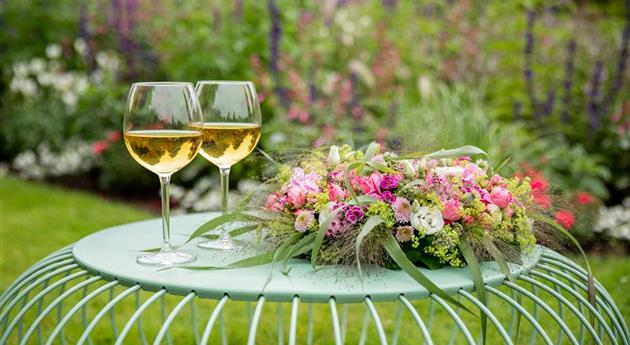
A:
[166,224]
[225,188]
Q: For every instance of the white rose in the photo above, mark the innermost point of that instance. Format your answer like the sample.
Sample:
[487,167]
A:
[333,156]
[426,218]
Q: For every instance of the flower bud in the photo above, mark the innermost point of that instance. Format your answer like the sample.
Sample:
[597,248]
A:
[333,156]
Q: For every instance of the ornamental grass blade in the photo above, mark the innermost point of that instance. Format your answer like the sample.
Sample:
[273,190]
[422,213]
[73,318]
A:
[319,238]
[279,252]
[220,220]
[393,249]
[369,225]
[480,287]
[467,150]
[504,163]
[235,232]
[298,249]
[591,281]
[268,156]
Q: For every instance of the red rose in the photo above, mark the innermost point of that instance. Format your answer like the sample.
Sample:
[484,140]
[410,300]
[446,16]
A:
[565,218]
[585,198]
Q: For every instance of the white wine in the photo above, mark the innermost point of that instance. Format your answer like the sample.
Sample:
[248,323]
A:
[226,143]
[163,151]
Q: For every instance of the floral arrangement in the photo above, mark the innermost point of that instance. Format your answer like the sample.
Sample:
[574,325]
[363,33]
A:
[359,207]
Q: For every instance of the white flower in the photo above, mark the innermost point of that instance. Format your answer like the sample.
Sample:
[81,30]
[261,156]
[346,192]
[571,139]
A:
[449,171]
[424,86]
[20,69]
[81,84]
[333,156]
[29,88]
[37,65]
[107,61]
[426,218]
[80,46]
[53,51]
[45,79]
[70,98]
[409,170]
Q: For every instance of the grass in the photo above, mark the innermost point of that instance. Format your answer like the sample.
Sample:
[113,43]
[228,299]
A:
[36,219]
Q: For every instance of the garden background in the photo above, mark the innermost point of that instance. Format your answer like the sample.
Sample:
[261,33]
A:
[545,83]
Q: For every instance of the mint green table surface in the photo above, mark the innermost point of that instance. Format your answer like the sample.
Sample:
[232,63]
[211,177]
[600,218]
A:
[100,273]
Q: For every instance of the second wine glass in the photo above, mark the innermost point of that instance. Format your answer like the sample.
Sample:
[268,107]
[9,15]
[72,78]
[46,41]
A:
[230,133]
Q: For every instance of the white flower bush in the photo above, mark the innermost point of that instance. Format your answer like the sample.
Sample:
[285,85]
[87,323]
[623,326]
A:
[614,221]
[75,157]
[31,78]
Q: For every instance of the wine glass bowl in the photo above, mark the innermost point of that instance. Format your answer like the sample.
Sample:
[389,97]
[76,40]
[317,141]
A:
[231,132]
[158,134]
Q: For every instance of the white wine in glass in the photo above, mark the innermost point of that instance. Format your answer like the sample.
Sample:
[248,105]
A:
[158,135]
[230,134]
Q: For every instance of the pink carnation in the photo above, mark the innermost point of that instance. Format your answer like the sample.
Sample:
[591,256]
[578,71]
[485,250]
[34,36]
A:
[388,197]
[452,210]
[402,209]
[500,196]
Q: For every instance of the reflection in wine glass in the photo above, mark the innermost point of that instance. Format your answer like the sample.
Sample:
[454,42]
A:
[158,135]
[230,133]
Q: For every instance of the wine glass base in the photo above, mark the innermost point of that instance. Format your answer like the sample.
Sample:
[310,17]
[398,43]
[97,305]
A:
[166,258]
[221,244]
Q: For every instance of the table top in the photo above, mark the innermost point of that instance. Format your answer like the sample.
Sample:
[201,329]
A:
[112,254]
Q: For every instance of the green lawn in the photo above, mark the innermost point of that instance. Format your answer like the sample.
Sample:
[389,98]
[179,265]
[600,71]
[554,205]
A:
[36,219]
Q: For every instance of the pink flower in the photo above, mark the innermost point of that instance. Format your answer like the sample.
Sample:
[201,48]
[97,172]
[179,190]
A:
[275,202]
[388,197]
[389,182]
[354,214]
[471,171]
[585,198]
[368,185]
[468,219]
[338,175]
[500,196]
[99,146]
[336,193]
[300,185]
[402,209]
[452,210]
[304,220]
[404,233]
[114,136]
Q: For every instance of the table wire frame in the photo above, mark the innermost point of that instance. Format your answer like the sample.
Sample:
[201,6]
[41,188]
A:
[57,301]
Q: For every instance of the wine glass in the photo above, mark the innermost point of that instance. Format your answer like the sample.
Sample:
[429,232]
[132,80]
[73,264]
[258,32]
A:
[158,135]
[230,133]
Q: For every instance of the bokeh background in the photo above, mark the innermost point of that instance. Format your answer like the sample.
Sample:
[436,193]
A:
[545,84]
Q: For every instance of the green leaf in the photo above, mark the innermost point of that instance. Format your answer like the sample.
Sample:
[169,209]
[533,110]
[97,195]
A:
[319,238]
[371,151]
[220,220]
[380,166]
[299,249]
[480,287]
[461,151]
[362,200]
[591,281]
[279,252]
[393,249]
[235,232]
[413,183]
[369,225]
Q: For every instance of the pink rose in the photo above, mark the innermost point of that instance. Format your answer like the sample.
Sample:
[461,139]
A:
[368,185]
[452,210]
[500,197]
[336,193]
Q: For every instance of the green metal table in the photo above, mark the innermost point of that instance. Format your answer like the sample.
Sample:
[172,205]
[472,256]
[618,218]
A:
[74,289]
